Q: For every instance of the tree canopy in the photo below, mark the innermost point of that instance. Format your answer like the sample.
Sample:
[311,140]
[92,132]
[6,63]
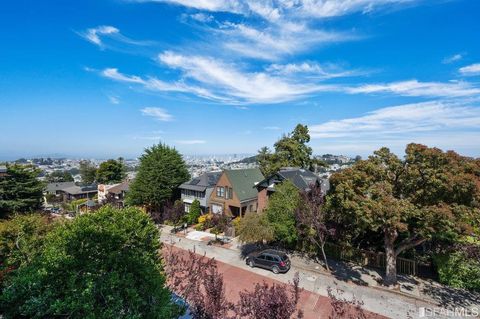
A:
[111,171]
[161,171]
[88,171]
[281,210]
[100,265]
[254,228]
[59,176]
[428,193]
[289,151]
[20,190]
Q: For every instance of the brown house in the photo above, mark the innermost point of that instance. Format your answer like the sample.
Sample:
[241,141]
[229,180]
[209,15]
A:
[235,192]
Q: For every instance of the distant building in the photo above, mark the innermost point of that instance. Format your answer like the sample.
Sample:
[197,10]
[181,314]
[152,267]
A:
[56,188]
[77,192]
[301,178]
[199,188]
[114,193]
[235,192]
[3,171]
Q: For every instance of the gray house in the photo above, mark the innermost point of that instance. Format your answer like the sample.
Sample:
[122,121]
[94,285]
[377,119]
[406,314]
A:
[199,188]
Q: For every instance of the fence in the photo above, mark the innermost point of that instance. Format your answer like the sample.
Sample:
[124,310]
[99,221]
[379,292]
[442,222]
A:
[378,260]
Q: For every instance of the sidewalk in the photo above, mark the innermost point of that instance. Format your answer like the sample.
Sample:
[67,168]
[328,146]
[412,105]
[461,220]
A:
[353,280]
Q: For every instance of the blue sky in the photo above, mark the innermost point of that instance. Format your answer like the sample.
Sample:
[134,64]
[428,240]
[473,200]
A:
[109,78]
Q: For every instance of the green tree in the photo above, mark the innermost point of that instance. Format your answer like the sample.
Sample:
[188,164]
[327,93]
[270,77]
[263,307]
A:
[59,176]
[111,171]
[255,228]
[104,264]
[459,271]
[161,171]
[281,210]
[289,151]
[21,239]
[20,190]
[88,171]
[194,212]
[428,194]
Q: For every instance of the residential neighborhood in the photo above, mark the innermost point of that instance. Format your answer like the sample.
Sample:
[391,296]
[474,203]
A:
[240,159]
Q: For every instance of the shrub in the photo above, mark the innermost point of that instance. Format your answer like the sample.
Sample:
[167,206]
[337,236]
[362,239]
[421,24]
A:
[459,271]
[194,212]
[254,227]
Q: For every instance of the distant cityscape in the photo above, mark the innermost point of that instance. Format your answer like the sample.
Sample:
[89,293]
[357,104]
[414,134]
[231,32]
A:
[197,165]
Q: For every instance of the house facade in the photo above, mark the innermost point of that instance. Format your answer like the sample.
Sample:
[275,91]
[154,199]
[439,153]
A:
[114,193]
[235,193]
[3,171]
[199,188]
[79,192]
[301,178]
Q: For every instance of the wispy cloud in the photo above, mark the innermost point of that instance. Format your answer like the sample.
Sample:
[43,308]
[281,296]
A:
[419,89]
[98,34]
[94,34]
[229,81]
[157,113]
[435,116]
[272,128]
[312,69]
[453,58]
[472,69]
[276,8]
[190,142]
[113,99]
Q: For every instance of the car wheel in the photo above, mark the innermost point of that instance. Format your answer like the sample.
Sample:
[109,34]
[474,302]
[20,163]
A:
[275,270]
[251,263]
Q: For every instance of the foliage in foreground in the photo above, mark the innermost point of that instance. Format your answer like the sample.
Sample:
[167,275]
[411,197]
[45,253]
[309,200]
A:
[100,265]
[197,280]
[21,240]
[459,270]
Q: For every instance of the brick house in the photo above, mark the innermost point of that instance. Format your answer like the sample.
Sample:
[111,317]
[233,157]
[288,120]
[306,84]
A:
[301,178]
[235,192]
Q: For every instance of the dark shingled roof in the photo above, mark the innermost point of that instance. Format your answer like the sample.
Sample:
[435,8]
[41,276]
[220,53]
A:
[118,189]
[243,182]
[76,190]
[53,187]
[301,178]
[202,182]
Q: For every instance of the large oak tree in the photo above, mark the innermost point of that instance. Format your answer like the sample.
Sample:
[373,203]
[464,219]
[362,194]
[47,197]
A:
[428,193]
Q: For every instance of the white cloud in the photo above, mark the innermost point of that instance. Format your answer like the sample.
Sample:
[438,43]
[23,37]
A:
[312,69]
[436,116]
[93,35]
[472,69]
[190,142]
[113,99]
[202,17]
[453,58]
[272,128]
[275,9]
[157,113]
[229,81]
[419,89]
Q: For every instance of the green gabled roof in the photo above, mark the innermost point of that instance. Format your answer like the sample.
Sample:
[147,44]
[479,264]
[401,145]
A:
[243,182]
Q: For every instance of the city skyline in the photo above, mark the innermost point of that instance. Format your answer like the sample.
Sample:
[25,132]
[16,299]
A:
[102,79]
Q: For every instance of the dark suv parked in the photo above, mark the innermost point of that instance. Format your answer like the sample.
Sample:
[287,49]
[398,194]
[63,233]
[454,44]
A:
[274,260]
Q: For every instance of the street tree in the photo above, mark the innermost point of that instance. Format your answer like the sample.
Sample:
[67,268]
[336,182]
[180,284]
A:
[104,264]
[161,171]
[311,220]
[111,171]
[20,190]
[427,194]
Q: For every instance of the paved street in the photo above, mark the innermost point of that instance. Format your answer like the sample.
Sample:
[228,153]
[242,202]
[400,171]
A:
[381,302]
